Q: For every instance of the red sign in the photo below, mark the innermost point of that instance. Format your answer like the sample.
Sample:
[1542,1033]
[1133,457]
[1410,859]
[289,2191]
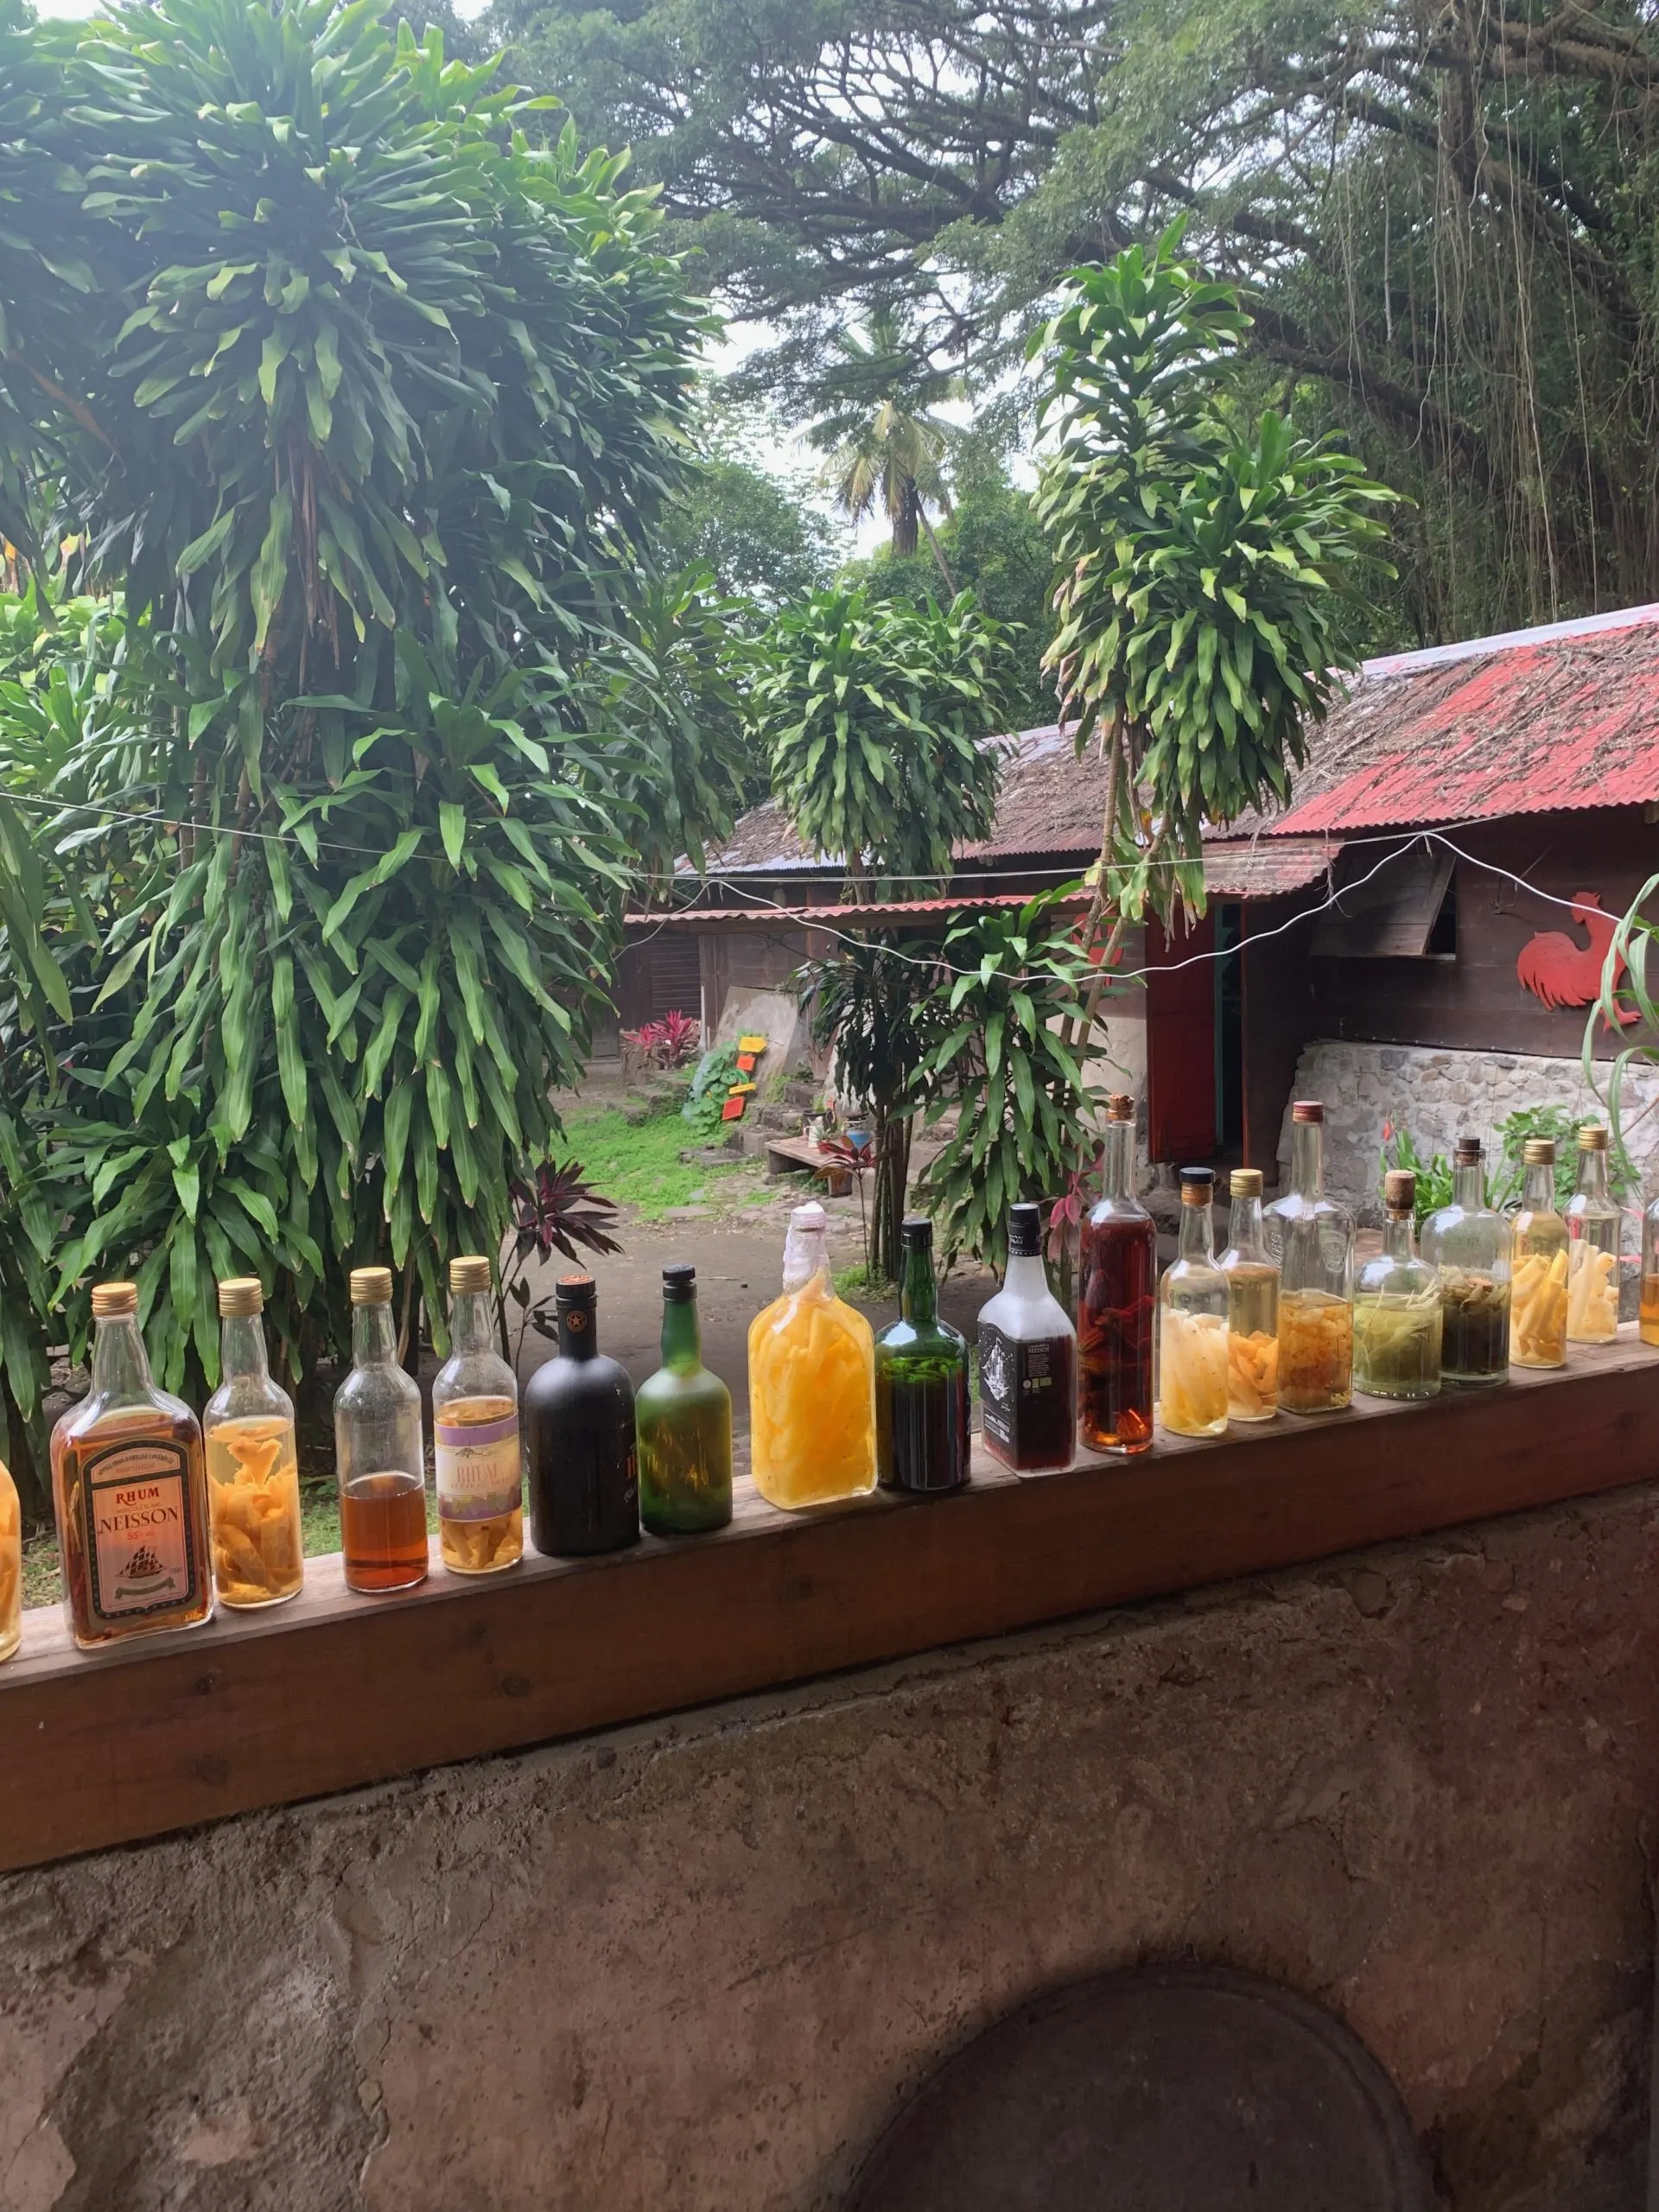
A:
[1556,968]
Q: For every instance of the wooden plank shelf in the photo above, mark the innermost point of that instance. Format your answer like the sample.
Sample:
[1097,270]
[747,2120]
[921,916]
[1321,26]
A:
[334,1690]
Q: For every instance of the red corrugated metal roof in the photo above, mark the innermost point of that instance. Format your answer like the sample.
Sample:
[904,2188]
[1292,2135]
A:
[1558,718]
[869,915]
[1253,870]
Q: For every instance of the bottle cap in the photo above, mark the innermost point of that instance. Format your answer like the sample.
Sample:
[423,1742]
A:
[371,1286]
[1400,1190]
[679,1283]
[241,1297]
[1307,1109]
[111,1301]
[1197,1185]
[1593,1137]
[808,1218]
[917,1231]
[575,1291]
[1468,1152]
[1245,1183]
[469,1276]
[1539,1152]
[1120,1107]
[1025,1231]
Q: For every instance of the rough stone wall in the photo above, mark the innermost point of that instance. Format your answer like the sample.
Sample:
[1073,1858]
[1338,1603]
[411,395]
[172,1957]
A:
[1437,1093]
[694,1967]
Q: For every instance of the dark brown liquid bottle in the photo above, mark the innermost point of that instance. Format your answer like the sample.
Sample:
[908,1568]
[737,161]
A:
[578,1413]
[1116,1293]
[1027,1360]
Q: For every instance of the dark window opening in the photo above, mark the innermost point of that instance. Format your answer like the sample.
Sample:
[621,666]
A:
[1443,936]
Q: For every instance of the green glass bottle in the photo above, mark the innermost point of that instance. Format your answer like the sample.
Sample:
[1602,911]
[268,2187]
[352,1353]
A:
[684,1416]
[921,1383]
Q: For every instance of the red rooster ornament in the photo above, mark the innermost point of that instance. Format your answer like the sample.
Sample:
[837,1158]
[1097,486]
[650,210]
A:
[1556,968]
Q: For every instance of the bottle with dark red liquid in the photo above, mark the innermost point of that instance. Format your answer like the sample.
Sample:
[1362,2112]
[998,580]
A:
[1117,1289]
[1027,1360]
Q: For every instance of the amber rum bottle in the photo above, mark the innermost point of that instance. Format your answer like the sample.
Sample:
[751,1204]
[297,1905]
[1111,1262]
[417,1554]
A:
[1117,1287]
[475,1444]
[129,1484]
[378,1451]
[253,1474]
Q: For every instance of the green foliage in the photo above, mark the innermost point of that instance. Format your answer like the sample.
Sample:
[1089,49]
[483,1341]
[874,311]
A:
[1024,1107]
[886,450]
[1433,1172]
[1202,565]
[756,531]
[1625,990]
[369,416]
[875,717]
[711,1086]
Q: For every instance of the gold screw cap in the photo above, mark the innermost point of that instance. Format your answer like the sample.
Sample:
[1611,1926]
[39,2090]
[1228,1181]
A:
[371,1286]
[1593,1137]
[469,1276]
[1245,1183]
[239,1297]
[1539,1152]
[114,1301]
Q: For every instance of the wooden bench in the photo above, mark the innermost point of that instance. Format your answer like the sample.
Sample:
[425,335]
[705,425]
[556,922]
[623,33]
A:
[785,1156]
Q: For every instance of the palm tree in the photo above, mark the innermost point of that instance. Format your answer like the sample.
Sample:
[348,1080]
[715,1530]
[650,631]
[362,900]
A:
[885,449]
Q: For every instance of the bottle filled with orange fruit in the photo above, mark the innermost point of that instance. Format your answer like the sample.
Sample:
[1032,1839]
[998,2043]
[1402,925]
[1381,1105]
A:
[811,1380]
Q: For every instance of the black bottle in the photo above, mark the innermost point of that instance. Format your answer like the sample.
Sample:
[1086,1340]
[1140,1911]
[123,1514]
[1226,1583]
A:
[584,1472]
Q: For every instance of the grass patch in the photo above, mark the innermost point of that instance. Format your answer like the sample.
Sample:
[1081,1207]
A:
[857,1284]
[638,1163]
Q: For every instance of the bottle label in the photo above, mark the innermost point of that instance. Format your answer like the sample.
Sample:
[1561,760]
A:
[480,1469]
[1017,1377]
[142,1555]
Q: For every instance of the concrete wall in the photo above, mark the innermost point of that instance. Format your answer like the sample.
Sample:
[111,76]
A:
[694,1967]
[1437,1093]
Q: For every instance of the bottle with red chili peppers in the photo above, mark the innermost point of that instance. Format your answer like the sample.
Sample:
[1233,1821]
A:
[1117,1287]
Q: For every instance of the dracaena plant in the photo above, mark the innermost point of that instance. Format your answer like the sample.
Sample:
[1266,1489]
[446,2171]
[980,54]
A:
[367,418]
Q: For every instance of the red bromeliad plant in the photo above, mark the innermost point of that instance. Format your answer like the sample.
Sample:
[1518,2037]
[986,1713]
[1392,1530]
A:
[668,1042]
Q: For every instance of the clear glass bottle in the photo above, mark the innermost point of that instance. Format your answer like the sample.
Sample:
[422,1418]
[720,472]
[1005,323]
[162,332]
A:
[1648,1325]
[922,1431]
[11,1565]
[584,1452]
[1193,1301]
[1253,1306]
[1027,1359]
[1311,1239]
[379,1451]
[1467,1242]
[811,1382]
[684,1416]
[130,1489]
[1116,1292]
[1397,1311]
[1594,1224]
[478,1456]
[253,1470]
[1538,1265]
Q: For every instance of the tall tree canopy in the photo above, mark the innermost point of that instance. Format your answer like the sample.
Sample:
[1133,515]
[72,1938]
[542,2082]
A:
[1441,218]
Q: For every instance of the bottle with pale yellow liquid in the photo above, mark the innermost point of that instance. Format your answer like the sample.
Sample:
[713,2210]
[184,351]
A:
[11,1565]
[1539,1258]
[1594,1224]
[1193,1303]
[811,1382]
[476,1447]
[253,1472]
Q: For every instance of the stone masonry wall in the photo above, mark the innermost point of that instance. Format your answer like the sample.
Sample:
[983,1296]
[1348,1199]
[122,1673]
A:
[696,1966]
[1437,1093]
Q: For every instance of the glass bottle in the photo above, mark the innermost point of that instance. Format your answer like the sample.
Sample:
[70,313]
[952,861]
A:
[1027,1359]
[1116,1291]
[811,1382]
[1593,1223]
[1648,1325]
[683,1414]
[11,1565]
[1397,1311]
[1252,1306]
[922,1431]
[1468,1244]
[1538,1265]
[130,1489]
[477,1454]
[380,1451]
[1193,1299]
[584,1457]
[1311,1240]
[253,1470]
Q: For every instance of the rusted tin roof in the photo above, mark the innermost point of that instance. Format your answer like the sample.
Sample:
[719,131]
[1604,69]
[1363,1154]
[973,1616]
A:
[1246,869]
[869,914]
[1538,720]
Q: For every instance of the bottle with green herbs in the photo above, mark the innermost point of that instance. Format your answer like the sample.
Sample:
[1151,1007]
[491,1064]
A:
[683,1416]
[1467,1242]
[1397,1306]
[921,1382]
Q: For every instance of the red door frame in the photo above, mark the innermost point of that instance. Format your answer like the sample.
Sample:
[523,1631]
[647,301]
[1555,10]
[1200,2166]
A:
[1181,1045]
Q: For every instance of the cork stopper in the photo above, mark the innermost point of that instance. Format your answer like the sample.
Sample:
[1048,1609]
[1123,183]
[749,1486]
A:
[469,1277]
[1467,1152]
[1120,1107]
[241,1297]
[1593,1137]
[1400,1190]
[1307,1109]
[371,1286]
[113,1301]
[1539,1152]
[1245,1183]
[1197,1185]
